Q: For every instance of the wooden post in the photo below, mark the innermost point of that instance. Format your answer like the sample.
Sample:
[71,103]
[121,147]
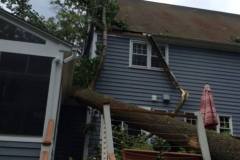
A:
[44,155]
[109,137]
[49,133]
[202,137]
[103,139]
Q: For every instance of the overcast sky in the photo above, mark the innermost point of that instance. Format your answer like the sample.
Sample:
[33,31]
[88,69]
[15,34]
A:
[231,6]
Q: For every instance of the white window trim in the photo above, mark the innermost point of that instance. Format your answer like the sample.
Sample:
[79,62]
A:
[230,123]
[131,54]
[185,118]
[12,138]
[149,55]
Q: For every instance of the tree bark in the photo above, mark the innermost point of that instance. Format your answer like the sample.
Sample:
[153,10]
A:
[104,48]
[222,147]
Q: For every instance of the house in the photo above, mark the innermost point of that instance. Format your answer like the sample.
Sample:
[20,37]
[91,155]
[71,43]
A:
[199,46]
[33,84]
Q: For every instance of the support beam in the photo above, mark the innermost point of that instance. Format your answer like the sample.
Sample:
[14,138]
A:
[109,137]
[202,137]
[103,139]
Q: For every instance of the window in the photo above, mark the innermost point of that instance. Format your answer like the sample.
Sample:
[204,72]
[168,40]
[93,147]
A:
[225,125]
[144,56]
[139,54]
[24,82]
[190,119]
[154,57]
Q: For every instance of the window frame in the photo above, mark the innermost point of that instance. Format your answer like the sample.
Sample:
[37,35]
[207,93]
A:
[191,119]
[131,54]
[149,55]
[230,123]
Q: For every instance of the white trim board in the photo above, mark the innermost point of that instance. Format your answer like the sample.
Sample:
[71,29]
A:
[12,138]
[230,123]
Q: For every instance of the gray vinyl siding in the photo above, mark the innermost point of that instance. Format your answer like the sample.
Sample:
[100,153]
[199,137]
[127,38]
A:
[19,150]
[132,85]
[195,67]
[192,67]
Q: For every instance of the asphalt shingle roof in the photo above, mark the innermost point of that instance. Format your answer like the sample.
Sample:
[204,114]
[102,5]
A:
[181,22]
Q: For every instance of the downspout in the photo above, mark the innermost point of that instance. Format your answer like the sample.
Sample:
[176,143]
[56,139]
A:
[75,54]
[170,75]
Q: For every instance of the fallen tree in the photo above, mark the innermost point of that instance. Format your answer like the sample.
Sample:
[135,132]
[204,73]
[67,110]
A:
[222,147]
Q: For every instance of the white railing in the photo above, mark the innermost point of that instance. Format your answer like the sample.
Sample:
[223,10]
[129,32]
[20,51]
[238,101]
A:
[106,134]
[202,137]
[107,137]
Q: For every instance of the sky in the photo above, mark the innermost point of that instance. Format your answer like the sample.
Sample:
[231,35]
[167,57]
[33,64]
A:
[231,6]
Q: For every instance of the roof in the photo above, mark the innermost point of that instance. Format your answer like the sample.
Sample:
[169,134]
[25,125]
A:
[180,22]
[33,28]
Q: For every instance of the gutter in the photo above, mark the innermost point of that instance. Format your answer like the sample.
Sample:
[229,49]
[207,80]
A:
[170,75]
[181,41]
[76,53]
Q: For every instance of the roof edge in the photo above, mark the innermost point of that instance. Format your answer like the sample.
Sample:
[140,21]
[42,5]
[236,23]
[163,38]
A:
[183,41]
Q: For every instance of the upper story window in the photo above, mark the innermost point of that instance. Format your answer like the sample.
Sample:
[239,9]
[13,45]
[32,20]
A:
[142,55]
[225,125]
[139,53]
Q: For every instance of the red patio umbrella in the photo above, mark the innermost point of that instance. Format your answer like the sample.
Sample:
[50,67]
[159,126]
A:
[207,108]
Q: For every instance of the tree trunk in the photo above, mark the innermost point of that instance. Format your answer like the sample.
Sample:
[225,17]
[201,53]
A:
[222,147]
[104,48]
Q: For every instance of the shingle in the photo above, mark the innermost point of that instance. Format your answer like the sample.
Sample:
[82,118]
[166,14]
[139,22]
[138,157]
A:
[178,21]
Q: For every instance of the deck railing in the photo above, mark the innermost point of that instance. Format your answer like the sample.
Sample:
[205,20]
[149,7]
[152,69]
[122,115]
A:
[109,142]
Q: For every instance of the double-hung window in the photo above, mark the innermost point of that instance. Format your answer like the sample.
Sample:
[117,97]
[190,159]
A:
[142,55]
[139,53]
[225,125]
[190,120]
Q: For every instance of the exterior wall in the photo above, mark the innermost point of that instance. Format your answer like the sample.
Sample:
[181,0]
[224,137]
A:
[195,67]
[192,67]
[19,150]
[132,85]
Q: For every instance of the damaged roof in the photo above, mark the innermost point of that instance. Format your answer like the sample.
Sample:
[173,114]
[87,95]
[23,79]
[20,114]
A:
[180,22]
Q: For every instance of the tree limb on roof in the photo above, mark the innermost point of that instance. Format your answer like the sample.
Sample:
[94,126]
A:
[170,75]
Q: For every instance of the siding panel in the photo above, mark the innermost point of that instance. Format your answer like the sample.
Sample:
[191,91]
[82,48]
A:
[19,150]
[195,67]
[132,85]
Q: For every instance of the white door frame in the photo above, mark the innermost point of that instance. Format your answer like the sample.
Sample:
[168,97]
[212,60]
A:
[53,102]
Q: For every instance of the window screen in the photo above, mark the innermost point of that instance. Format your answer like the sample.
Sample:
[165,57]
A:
[24,82]
[9,31]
